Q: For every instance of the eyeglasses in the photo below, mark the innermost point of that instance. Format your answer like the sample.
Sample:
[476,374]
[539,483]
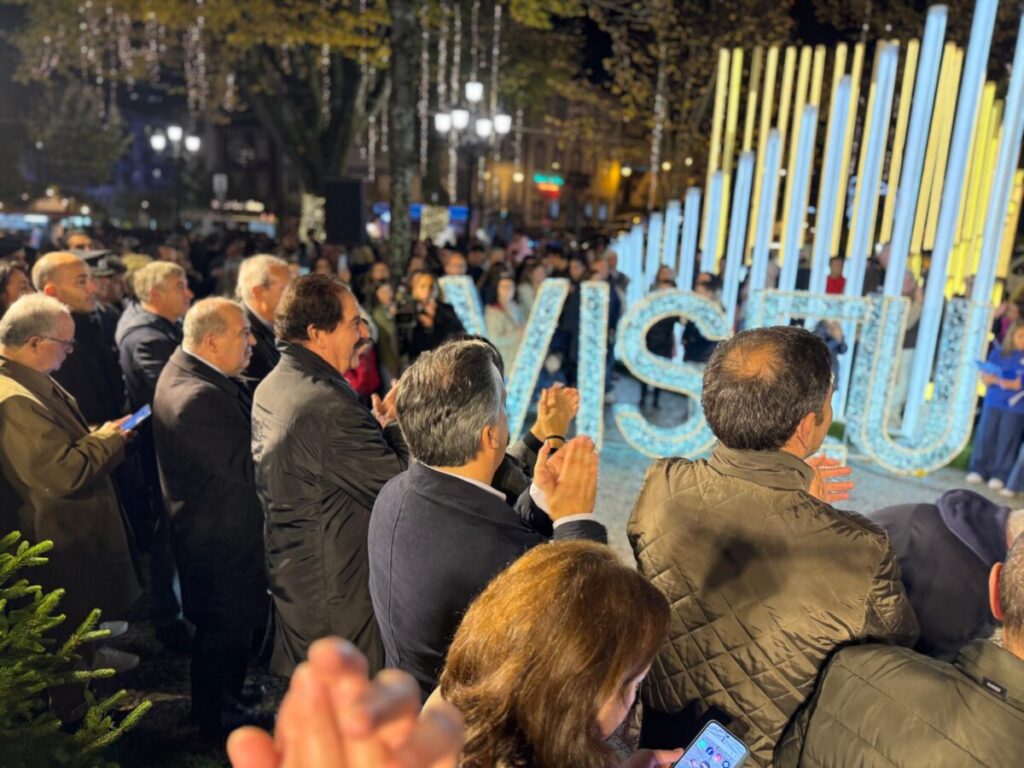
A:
[69,344]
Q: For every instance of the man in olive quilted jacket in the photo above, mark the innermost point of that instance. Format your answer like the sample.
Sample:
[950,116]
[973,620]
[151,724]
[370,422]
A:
[765,578]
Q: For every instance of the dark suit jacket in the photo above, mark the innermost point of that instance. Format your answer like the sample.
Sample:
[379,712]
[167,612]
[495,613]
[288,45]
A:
[202,426]
[321,459]
[146,342]
[264,355]
[55,484]
[435,543]
[93,372]
[945,552]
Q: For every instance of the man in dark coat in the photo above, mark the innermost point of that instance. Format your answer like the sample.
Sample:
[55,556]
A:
[880,705]
[202,424]
[765,577]
[147,335]
[93,374]
[55,470]
[321,459]
[261,283]
[452,409]
[967,534]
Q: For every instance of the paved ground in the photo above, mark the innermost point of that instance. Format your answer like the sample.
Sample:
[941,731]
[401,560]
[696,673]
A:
[166,736]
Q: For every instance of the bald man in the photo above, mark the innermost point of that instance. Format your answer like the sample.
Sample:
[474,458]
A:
[93,373]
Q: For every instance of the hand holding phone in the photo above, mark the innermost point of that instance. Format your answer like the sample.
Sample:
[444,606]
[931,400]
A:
[714,747]
[137,418]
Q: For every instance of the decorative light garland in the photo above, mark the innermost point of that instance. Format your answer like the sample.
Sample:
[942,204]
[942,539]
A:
[659,127]
[423,105]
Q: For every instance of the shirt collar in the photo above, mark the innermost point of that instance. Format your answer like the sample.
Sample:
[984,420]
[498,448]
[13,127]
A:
[207,363]
[477,483]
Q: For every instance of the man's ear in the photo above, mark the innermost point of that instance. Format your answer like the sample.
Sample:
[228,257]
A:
[49,290]
[805,429]
[491,438]
[994,602]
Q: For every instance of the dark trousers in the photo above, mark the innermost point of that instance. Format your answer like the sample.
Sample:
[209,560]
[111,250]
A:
[219,659]
[996,442]
[163,573]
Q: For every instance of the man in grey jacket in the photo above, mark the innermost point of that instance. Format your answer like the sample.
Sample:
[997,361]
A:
[880,705]
[765,577]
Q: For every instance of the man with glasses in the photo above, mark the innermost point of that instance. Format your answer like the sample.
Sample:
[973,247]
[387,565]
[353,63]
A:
[55,470]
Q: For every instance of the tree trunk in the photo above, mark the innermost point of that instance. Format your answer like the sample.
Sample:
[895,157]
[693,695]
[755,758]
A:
[404,63]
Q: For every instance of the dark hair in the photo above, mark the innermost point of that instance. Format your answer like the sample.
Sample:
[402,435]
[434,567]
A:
[496,358]
[371,294]
[447,398]
[761,383]
[543,647]
[309,300]
[7,270]
[1011,590]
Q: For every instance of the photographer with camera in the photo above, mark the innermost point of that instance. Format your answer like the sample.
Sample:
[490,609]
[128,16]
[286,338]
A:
[423,321]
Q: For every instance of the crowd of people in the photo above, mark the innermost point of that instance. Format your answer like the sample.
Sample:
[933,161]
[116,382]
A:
[328,463]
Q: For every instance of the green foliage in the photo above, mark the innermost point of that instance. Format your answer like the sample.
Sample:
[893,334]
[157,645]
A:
[82,137]
[31,735]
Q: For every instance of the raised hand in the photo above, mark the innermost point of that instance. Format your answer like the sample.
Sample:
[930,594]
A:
[385,410]
[556,408]
[826,485]
[569,478]
[333,716]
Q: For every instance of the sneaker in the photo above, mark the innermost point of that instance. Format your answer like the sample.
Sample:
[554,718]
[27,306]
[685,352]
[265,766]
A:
[995,484]
[1006,493]
[973,478]
[111,658]
[115,628]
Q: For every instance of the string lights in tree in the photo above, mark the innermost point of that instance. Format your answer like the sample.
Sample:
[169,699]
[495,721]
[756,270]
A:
[474,40]
[456,70]
[659,127]
[423,105]
[495,68]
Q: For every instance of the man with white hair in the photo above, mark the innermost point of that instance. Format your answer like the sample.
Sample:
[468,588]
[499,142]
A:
[93,373]
[55,471]
[147,334]
[201,420]
[261,283]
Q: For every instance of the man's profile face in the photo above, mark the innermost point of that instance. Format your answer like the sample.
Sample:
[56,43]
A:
[350,336]
[74,286]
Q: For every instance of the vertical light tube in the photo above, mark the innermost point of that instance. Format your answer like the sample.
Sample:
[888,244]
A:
[753,88]
[917,140]
[729,145]
[931,227]
[863,149]
[737,235]
[851,125]
[793,156]
[797,213]
[707,256]
[767,103]
[670,248]
[899,141]
[876,137]
[766,215]
[1002,184]
[928,330]
[653,258]
[829,195]
[813,97]
[717,126]
[691,227]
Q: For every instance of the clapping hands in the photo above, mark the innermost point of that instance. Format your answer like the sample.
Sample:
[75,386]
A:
[569,478]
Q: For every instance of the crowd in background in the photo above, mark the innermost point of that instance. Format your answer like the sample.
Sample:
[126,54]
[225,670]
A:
[328,456]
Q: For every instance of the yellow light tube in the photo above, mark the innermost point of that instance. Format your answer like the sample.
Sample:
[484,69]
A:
[863,158]
[717,123]
[731,125]
[942,96]
[800,100]
[767,104]
[900,139]
[974,192]
[753,88]
[932,224]
[1010,230]
[851,124]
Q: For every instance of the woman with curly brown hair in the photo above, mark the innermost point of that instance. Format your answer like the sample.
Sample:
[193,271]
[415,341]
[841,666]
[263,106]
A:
[548,659]
[14,283]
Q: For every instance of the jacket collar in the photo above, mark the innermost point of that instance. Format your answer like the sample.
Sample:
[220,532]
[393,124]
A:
[995,669]
[311,363]
[452,491]
[199,368]
[772,469]
[46,388]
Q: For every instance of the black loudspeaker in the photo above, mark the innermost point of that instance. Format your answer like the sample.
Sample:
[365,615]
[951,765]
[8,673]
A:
[344,211]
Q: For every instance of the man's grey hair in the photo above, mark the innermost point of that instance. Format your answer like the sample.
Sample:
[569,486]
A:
[30,316]
[1011,591]
[204,318]
[255,271]
[446,399]
[47,267]
[1014,526]
[152,276]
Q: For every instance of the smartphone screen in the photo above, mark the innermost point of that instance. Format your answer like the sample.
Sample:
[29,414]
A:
[138,417]
[714,747]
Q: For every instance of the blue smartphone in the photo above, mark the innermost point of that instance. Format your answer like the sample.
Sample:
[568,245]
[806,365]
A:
[137,418]
[714,747]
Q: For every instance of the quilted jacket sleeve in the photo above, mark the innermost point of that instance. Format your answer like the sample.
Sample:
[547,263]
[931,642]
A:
[889,615]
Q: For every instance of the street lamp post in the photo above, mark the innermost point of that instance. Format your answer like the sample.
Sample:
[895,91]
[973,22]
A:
[182,146]
[475,130]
